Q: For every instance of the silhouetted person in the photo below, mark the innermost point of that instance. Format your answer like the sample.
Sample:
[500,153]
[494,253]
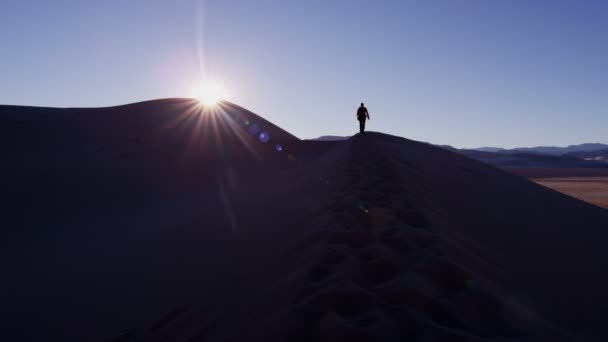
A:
[362,114]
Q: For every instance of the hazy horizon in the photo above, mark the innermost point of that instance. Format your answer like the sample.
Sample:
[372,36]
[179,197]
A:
[467,74]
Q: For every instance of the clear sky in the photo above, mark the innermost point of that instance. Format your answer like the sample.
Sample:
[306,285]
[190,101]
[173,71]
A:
[465,73]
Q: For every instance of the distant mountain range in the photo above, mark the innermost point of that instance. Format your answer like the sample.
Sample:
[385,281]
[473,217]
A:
[590,155]
[552,150]
[489,149]
[526,159]
[547,149]
[575,156]
[597,155]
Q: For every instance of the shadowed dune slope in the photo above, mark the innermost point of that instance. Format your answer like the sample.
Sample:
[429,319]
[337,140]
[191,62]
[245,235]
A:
[550,245]
[152,222]
[112,216]
[41,137]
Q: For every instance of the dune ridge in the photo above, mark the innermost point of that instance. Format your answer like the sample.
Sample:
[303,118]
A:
[372,265]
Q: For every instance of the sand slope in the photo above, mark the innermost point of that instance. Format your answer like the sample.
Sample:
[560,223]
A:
[373,238]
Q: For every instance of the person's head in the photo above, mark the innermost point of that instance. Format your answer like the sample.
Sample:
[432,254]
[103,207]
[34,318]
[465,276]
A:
[362,104]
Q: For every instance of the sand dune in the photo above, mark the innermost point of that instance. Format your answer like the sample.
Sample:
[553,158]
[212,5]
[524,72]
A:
[152,222]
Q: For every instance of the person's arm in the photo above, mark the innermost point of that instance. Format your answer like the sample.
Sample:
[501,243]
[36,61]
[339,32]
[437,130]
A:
[367,113]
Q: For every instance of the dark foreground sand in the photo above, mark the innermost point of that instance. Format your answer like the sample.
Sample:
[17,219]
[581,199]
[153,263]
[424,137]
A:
[142,223]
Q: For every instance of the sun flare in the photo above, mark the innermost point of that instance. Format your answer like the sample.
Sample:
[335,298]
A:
[209,93]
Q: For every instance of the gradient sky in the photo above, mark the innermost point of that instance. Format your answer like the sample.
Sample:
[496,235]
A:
[459,72]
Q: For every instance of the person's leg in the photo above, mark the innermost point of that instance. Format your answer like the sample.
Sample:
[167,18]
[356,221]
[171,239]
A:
[361,126]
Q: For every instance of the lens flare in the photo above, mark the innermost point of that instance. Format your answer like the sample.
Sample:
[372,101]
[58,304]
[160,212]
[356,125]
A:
[264,137]
[253,129]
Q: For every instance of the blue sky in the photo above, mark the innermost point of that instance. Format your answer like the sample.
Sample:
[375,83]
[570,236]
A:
[461,72]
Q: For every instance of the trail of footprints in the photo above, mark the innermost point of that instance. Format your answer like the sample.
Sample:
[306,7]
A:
[381,281]
[385,274]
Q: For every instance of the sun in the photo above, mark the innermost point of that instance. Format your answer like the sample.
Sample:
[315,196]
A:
[209,93]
